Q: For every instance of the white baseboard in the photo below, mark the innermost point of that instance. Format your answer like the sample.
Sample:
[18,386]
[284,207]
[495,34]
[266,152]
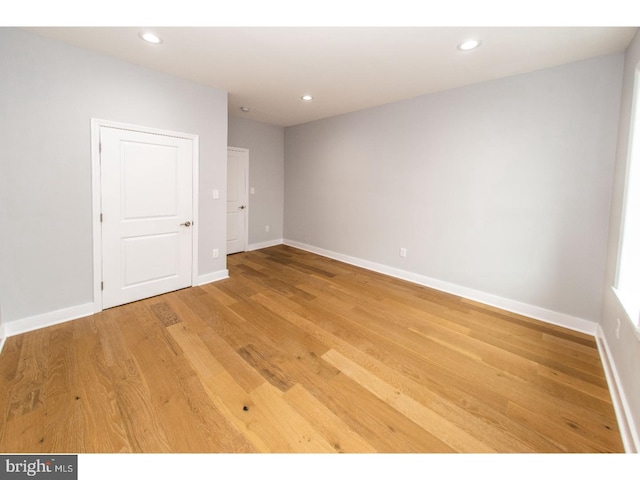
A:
[538,313]
[626,425]
[211,277]
[48,319]
[267,244]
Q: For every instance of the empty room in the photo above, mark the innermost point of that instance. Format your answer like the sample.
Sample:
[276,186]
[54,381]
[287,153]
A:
[344,240]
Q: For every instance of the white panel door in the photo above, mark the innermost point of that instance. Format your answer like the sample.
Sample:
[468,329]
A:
[237,180]
[146,184]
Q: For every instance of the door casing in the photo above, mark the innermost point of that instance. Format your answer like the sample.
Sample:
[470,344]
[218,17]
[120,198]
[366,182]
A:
[96,184]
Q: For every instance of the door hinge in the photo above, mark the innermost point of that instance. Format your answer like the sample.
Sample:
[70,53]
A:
[100,147]
[101,285]
[100,218]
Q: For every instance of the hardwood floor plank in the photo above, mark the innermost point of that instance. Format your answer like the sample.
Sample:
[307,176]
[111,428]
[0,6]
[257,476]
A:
[139,417]
[431,370]
[263,417]
[450,359]
[564,361]
[298,344]
[201,359]
[140,420]
[562,381]
[8,368]
[526,322]
[302,436]
[337,433]
[384,427]
[23,410]
[453,436]
[407,437]
[207,369]
[376,307]
[235,404]
[168,378]
[571,389]
[211,313]
[571,441]
[27,375]
[177,302]
[164,313]
[63,430]
[268,350]
[101,419]
[25,433]
[469,413]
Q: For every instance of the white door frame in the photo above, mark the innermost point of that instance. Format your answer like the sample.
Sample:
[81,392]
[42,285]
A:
[246,189]
[96,193]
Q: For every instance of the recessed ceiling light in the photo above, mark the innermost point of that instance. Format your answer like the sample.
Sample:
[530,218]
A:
[469,45]
[244,109]
[307,98]
[150,37]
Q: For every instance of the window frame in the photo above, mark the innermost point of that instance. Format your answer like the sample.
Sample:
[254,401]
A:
[629,297]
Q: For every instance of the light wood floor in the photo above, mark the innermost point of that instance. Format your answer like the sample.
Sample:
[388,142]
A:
[298,353]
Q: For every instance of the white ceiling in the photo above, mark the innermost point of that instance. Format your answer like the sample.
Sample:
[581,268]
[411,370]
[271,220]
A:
[346,69]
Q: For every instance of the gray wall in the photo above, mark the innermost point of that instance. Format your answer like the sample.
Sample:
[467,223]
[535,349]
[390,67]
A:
[266,174]
[49,91]
[626,350]
[503,187]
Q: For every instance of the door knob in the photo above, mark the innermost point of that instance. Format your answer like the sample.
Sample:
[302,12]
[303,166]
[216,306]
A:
[242,207]
[186,224]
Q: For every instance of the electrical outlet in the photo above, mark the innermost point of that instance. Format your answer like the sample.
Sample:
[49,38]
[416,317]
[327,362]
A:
[216,253]
[403,252]
[216,194]
[252,191]
[266,228]
[618,329]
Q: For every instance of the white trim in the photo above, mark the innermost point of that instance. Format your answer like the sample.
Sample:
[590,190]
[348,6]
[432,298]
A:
[195,202]
[267,244]
[96,198]
[626,425]
[16,327]
[627,172]
[538,313]
[211,277]
[96,186]
[3,337]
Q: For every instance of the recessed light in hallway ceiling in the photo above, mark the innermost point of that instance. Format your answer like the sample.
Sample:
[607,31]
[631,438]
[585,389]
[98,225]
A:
[469,45]
[150,38]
